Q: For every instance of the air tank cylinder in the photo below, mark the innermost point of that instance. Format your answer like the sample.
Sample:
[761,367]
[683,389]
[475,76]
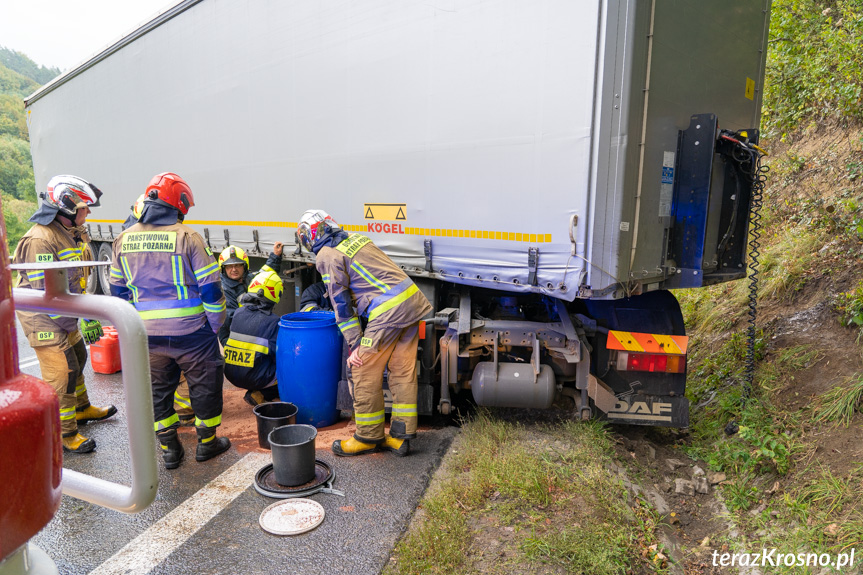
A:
[512,385]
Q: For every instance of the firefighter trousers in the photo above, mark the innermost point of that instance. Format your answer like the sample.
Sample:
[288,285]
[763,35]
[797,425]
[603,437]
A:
[62,368]
[197,356]
[397,352]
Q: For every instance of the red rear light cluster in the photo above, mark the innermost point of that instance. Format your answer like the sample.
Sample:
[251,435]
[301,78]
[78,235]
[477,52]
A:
[654,362]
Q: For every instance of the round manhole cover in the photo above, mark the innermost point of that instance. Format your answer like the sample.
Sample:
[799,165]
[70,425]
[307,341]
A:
[265,482]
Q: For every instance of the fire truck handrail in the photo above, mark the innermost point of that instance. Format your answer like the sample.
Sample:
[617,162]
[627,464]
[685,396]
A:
[134,356]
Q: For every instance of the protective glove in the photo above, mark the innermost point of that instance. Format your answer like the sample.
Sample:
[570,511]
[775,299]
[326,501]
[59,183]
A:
[91,330]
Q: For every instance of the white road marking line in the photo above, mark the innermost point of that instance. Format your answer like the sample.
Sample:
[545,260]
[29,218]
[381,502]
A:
[145,552]
[28,363]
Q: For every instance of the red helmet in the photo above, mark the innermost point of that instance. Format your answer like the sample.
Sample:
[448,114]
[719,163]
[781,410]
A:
[171,189]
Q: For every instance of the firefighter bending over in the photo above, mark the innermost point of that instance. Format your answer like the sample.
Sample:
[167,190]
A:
[59,235]
[250,351]
[357,273]
[166,270]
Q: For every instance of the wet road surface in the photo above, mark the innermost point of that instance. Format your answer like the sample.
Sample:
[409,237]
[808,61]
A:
[205,517]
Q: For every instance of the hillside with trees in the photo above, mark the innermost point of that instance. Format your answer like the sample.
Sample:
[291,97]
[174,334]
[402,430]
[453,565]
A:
[19,77]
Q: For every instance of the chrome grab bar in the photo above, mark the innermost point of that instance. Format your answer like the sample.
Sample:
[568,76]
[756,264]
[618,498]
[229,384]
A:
[134,355]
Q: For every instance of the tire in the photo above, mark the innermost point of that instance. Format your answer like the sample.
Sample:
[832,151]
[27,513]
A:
[93,287]
[105,271]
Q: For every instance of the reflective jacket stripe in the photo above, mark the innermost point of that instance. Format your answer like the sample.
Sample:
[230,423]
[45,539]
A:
[391,298]
[115,273]
[214,308]
[204,272]
[366,275]
[167,304]
[249,346]
[348,324]
[172,312]
[325,278]
[37,275]
[179,280]
[125,263]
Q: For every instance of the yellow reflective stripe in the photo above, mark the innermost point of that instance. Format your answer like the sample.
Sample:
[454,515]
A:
[212,422]
[349,323]
[180,400]
[309,307]
[67,413]
[325,278]
[214,307]
[208,439]
[167,422]
[388,305]
[205,271]
[179,278]
[365,274]
[247,346]
[115,273]
[37,275]
[79,390]
[408,409]
[369,418]
[168,313]
[125,263]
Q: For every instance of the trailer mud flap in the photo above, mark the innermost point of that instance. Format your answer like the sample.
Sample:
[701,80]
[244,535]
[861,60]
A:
[655,410]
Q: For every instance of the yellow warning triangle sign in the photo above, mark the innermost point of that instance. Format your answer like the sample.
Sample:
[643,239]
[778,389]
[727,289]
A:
[369,213]
[400,215]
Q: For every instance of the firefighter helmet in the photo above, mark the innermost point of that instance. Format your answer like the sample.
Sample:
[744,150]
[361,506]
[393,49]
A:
[233,255]
[172,190]
[69,193]
[313,225]
[269,284]
[138,206]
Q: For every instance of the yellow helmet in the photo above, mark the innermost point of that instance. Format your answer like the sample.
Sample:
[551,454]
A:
[233,255]
[138,206]
[269,283]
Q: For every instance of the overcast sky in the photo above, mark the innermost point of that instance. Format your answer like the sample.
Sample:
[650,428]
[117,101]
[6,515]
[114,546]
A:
[64,33]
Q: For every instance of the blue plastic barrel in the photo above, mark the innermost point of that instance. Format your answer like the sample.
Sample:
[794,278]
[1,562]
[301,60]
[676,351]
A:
[309,365]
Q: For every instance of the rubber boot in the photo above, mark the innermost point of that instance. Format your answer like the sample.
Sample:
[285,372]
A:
[399,431]
[400,447]
[209,445]
[350,447]
[78,444]
[93,413]
[172,449]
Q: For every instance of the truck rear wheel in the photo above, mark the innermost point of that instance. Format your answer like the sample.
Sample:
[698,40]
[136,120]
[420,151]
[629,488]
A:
[93,287]
[104,271]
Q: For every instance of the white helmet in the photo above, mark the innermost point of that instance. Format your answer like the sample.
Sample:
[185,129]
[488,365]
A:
[313,225]
[69,193]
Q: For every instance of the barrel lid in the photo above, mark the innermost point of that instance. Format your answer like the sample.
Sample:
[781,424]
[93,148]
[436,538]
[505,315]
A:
[301,319]
[292,517]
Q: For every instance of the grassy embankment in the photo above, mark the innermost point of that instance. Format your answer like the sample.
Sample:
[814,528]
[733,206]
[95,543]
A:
[784,489]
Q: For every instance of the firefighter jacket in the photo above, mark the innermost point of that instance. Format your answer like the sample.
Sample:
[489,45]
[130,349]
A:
[250,351]
[315,297]
[53,242]
[170,276]
[363,281]
[233,289]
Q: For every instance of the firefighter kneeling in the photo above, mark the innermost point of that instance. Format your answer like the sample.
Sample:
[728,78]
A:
[250,351]
[171,277]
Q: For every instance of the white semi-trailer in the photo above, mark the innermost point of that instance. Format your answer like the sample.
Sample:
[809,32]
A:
[545,169]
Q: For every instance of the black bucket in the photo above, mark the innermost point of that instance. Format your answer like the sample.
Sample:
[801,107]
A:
[272,415]
[293,454]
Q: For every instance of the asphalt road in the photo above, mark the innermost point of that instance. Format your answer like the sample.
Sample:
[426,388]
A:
[205,517]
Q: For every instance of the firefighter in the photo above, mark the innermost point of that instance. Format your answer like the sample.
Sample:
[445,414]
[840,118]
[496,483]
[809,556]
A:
[359,275]
[234,267]
[315,298]
[250,351]
[182,403]
[59,235]
[166,270]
